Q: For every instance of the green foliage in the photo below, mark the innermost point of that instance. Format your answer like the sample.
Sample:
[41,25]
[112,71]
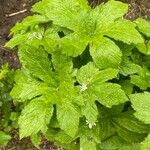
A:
[4,138]
[85,76]
[6,115]
[146,143]
[141,104]
[35,117]
[36,140]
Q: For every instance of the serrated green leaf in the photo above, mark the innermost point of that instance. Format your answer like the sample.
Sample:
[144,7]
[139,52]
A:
[86,73]
[132,124]
[68,117]
[128,67]
[72,46]
[50,42]
[68,113]
[68,93]
[35,117]
[93,21]
[109,94]
[37,62]
[143,26]
[127,135]
[17,39]
[62,63]
[106,14]
[106,54]
[140,81]
[89,74]
[118,32]
[144,47]
[71,11]
[141,104]
[89,110]
[110,11]
[145,145]
[25,87]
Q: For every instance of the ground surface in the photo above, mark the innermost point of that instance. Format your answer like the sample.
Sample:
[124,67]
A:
[7,7]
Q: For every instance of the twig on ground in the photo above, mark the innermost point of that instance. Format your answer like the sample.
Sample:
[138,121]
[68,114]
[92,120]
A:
[16,13]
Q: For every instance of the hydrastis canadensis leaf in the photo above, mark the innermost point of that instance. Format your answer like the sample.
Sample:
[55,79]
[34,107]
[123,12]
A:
[68,118]
[25,87]
[141,104]
[109,94]
[37,62]
[106,54]
[89,74]
[143,26]
[35,117]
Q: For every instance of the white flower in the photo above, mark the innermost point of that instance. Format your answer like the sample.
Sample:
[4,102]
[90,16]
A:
[90,125]
[36,35]
[83,87]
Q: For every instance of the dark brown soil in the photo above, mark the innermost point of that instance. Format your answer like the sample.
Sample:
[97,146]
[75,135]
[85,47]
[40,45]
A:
[137,8]
[25,144]
[8,7]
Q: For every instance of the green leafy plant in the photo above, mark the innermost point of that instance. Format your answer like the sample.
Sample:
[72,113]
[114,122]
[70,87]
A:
[85,78]
[6,81]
